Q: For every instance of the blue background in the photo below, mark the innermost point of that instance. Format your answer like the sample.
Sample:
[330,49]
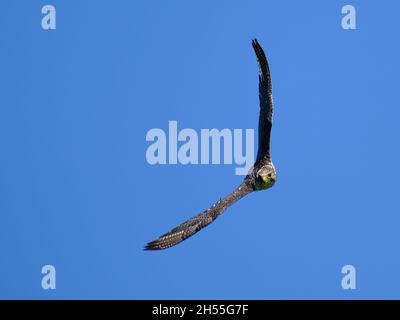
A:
[77,192]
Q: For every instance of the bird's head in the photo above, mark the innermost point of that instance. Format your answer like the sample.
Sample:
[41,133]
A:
[265,177]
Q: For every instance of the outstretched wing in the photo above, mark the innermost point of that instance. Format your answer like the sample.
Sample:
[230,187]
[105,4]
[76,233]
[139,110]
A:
[266,104]
[195,224]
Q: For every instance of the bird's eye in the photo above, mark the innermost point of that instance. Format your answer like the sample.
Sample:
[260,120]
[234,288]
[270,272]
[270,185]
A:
[269,175]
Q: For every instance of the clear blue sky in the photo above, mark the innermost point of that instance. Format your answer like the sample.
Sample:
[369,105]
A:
[76,191]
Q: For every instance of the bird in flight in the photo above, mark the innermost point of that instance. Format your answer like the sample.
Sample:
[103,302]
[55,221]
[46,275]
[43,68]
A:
[261,176]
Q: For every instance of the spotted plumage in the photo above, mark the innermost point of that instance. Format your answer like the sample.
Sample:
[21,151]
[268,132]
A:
[261,176]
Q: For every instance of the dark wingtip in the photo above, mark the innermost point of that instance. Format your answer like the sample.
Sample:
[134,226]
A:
[257,48]
[151,246]
[255,43]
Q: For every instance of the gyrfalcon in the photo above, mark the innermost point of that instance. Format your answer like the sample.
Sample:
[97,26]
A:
[261,176]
